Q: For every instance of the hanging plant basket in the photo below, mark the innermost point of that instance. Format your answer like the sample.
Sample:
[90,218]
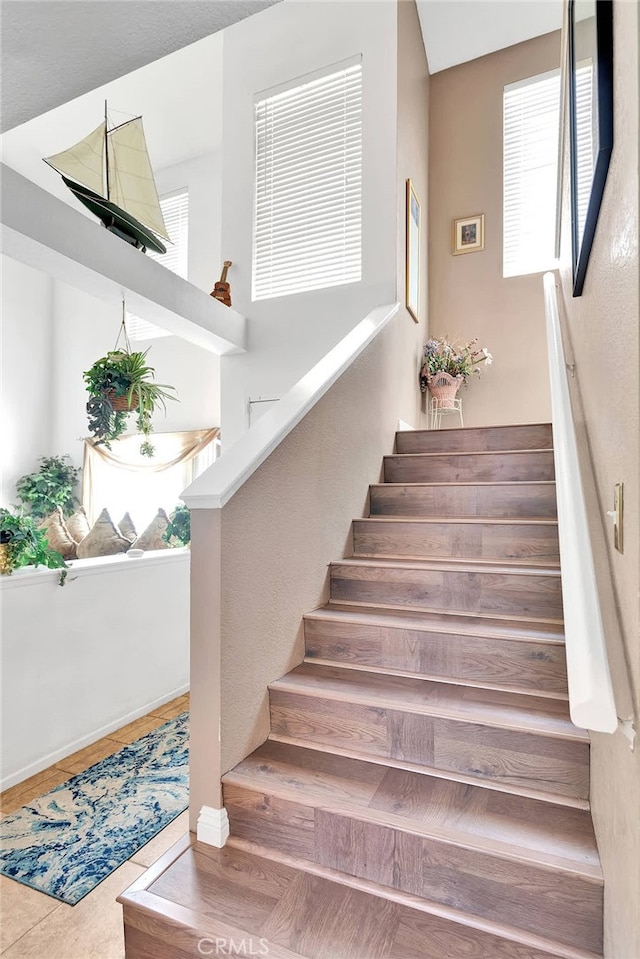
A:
[121,404]
[443,387]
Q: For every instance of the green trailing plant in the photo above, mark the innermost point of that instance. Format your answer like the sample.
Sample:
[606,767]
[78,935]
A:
[51,486]
[24,544]
[123,374]
[179,529]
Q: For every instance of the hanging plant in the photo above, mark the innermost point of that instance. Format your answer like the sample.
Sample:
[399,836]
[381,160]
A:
[121,383]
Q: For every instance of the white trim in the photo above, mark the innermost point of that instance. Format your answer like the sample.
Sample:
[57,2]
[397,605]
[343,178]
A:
[591,701]
[213,826]
[215,487]
[90,738]
[120,563]
[403,427]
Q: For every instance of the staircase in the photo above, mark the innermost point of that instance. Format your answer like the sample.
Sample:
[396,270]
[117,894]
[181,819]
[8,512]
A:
[423,793]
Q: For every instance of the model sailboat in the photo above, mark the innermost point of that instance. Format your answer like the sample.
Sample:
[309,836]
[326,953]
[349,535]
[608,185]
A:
[109,171]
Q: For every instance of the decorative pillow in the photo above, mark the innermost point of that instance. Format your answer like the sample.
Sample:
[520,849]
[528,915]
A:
[58,535]
[78,525]
[152,536]
[103,539]
[127,528]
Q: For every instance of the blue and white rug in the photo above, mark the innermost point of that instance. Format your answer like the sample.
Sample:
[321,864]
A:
[65,842]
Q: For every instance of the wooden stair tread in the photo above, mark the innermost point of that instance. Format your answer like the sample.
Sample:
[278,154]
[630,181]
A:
[432,621]
[470,566]
[544,716]
[287,908]
[429,485]
[456,452]
[521,789]
[466,520]
[502,824]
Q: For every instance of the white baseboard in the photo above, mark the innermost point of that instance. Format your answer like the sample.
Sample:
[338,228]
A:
[51,758]
[213,826]
[402,427]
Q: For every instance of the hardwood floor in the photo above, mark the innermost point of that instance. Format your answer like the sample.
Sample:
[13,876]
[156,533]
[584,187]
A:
[423,792]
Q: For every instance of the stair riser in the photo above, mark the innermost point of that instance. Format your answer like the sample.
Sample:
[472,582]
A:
[526,500]
[470,468]
[476,882]
[489,661]
[513,594]
[491,541]
[533,437]
[503,755]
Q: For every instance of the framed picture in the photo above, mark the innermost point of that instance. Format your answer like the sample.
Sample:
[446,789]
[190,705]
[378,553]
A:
[412,295]
[468,234]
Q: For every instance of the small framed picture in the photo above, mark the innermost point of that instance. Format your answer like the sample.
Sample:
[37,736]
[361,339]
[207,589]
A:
[412,296]
[468,234]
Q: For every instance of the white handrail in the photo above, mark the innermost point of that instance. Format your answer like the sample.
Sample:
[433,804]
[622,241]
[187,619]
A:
[217,485]
[591,701]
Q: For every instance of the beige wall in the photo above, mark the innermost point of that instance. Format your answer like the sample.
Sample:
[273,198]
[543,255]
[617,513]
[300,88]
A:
[413,164]
[601,330]
[468,295]
[261,562]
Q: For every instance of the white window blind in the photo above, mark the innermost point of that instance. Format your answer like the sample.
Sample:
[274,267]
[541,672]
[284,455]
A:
[175,212]
[585,125]
[531,126]
[308,202]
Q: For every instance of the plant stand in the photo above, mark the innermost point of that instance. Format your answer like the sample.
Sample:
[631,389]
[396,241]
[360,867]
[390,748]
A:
[437,409]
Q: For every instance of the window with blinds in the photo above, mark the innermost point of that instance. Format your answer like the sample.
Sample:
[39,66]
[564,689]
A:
[531,130]
[175,212]
[308,192]
[531,127]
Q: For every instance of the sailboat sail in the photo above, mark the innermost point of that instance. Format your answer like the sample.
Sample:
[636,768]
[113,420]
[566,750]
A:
[128,191]
[83,162]
[131,183]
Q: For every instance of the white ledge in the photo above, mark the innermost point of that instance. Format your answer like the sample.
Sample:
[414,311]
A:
[119,563]
[41,231]
[217,485]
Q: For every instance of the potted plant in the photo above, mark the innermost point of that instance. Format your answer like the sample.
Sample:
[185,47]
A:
[446,365]
[23,544]
[179,527]
[51,486]
[118,384]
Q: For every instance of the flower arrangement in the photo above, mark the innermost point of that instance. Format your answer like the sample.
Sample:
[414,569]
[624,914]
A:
[454,358]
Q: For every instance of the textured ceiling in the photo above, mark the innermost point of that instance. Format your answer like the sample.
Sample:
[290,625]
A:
[56,50]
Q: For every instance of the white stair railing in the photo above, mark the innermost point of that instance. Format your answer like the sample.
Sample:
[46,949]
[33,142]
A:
[591,700]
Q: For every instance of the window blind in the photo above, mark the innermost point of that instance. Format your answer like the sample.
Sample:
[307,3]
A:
[585,124]
[530,165]
[308,190]
[175,212]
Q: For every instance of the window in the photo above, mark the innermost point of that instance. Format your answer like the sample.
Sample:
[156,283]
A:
[308,201]
[531,130]
[175,211]
[531,126]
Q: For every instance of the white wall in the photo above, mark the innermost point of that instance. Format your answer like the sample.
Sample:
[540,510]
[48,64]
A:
[287,335]
[82,660]
[26,408]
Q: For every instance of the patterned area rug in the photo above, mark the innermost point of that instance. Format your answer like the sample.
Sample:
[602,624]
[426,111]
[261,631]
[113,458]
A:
[65,842]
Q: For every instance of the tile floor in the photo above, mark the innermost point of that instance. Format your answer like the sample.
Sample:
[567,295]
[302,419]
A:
[35,926]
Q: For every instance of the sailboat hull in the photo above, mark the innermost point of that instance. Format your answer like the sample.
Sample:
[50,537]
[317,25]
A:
[115,218]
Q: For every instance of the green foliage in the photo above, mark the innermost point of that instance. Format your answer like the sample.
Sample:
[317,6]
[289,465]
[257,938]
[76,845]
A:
[51,486]
[123,373]
[179,527]
[26,544]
